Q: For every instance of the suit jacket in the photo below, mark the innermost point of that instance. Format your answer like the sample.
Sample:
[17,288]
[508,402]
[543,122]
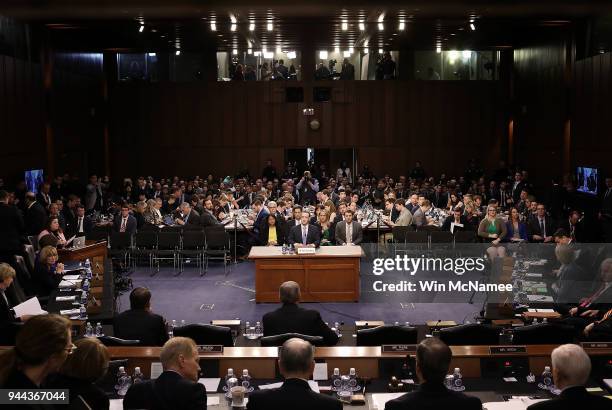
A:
[606,203]
[35,219]
[12,228]
[418,217]
[294,394]
[404,218]
[290,318]
[280,235]
[44,200]
[572,285]
[573,398]
[533,227]
[138,324]
[193,219]
[130,226]
[341,238]
[313,235]
[44,280]
[260,221]
[447,224]
[18,380]
[6,314]
[169,391]
[208,219]
[89,392]
[516,191]
[434,396]
[522,231]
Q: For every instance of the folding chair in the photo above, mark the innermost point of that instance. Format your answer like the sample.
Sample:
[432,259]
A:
[194,243]
[217,246]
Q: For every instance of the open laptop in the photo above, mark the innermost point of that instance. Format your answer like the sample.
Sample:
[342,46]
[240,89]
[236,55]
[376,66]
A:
[78,242]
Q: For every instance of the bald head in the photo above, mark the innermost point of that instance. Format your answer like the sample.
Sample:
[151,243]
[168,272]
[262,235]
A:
[289,292]
[296,359]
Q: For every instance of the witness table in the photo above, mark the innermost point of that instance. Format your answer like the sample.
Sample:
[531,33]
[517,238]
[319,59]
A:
[329,275]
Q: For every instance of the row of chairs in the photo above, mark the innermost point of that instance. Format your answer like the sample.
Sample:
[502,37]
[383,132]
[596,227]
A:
[467,334]
[203,245]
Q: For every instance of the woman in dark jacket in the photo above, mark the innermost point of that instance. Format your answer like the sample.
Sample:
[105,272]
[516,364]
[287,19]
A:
[47,272]
[271,233]
[516,230]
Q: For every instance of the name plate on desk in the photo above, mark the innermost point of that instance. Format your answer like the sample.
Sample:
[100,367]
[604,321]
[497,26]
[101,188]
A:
[503,350]
[399,348]
[596,345]
[210,349]
[306,251]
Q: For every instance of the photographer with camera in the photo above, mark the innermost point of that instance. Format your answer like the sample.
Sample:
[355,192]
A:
[307,189]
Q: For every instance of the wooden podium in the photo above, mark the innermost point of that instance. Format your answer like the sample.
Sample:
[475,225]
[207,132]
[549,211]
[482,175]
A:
[330,275]
[92,251]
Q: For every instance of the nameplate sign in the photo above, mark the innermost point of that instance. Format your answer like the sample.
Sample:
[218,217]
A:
[399,348]
[596,345]
[306,251]
[503,350]
[210,349]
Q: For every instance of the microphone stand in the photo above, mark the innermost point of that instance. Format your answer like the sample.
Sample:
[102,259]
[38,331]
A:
[235,238]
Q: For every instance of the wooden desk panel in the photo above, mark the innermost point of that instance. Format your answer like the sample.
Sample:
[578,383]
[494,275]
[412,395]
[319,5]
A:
[331,275]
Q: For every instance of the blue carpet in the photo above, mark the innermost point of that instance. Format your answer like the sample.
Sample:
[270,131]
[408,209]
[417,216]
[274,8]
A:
[229,297]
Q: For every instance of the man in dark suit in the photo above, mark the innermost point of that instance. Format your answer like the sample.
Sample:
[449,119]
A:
[177,387]
[518,186]
[261,213]
[541,227]
[433,358]
[206,217]
[12,228]
[349,232]
[125,222]
[571,368]
[296,364]
[190,217]
[304,234]
[290,318]
[574,226]
[44,195]
[139,323]
[605,214]
[35,215]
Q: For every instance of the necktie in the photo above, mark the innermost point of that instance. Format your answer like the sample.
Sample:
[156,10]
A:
[304,234]
[349,233]
[607,315]
[5,298]
[80,229]
[542,228]
[123,222]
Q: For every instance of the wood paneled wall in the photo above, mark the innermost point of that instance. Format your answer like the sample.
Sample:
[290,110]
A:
[196,128]
[591,111]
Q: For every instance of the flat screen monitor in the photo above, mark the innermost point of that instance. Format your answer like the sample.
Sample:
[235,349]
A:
[587,180]
[34,178]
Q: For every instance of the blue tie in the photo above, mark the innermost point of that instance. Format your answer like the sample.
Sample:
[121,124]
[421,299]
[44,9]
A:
[304,235]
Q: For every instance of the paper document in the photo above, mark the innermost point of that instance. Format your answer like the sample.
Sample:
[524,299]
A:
[66,284]
[69,241]
[214,400]
[156,370]
[541,310]
[452,227]
[380,399]
[71,278]
[320,371]
[65,298]
[211,384]
[70,312]
[608,383]
[29,307]
[314,386]
[539,298]
[116,404]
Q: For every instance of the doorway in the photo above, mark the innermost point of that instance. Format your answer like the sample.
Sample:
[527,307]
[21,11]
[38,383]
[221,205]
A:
[312,159]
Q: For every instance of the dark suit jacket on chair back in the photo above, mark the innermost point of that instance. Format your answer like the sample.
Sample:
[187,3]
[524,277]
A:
[294,394]
[291,318]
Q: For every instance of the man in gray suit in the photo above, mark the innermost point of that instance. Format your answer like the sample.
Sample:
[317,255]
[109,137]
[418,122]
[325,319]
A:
[419,218]
[405,216]
[349,232]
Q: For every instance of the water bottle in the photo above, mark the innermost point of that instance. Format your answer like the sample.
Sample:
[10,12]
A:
[258,329]
[98,329]
[88,330]
[85,285]
[396,324]
[123,382]
[284,249]
[83,297]
[457,380]
[138,376]
[171,327]
[336,380]
[337,328]
[182,322]
[547,378]
[228,377]
[407,324]
[352,378]
[247,331]
[87,263]
[246,379]
[82,312]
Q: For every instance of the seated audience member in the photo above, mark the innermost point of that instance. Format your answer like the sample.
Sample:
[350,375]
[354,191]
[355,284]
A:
[493,228]
[152,214]
[271,234]
[349,232]
[458,219]
[574,226]
[47,271]
[81,370]
[125,222]
[472,216]
[42,345]
[571,285]
[404,217]
[600,330]
[326,228]
[273,209]
[8,299]
[571,367]
[139,210]
[53,228]
[296,364]
[177,387]
[304,234]
[139,322]
[541,226]
[188,216]
[433,358]
[516,230]
[291,318]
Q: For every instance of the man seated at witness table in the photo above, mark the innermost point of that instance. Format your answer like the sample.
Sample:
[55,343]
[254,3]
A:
[271,234]
[304,234]
[290,318]
[349,232]
[296,364]
[140,323]
[189,216]
[433,359]
[571,368]
[177,387]
[125,222]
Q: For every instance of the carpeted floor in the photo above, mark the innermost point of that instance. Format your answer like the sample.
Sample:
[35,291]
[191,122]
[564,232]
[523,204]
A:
[198,299]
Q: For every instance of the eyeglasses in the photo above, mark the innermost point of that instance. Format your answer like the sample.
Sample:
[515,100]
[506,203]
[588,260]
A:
[70,350]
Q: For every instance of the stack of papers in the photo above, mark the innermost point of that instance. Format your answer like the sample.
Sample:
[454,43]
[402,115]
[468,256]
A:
[539,298]
[70,312]
[211,384]
[314,386]
[66,298]
[29,307]
[65,284]
[515,403]
[380,399]
[71,278]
